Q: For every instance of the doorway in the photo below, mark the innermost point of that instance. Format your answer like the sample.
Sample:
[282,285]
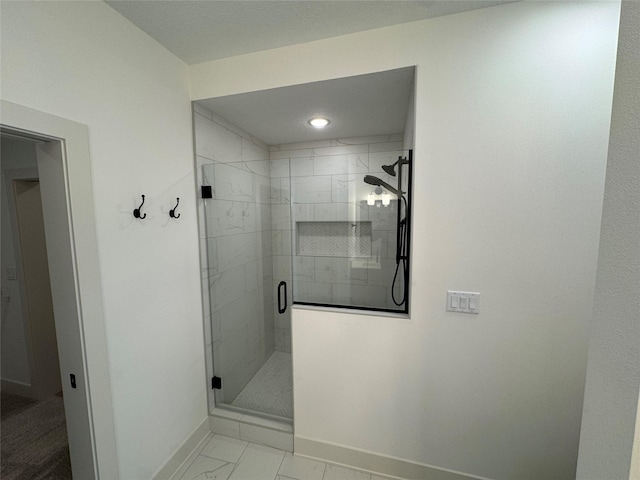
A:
[64,171]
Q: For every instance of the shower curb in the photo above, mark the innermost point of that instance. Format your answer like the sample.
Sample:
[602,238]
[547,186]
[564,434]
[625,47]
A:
[252,428]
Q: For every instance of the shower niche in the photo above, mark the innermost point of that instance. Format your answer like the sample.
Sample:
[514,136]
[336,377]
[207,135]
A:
[298,215]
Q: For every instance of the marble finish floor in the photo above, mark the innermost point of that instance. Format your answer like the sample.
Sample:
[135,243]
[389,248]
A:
[224,458]
[271,388]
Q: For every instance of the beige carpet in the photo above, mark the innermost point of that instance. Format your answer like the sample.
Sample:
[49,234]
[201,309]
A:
[33,439]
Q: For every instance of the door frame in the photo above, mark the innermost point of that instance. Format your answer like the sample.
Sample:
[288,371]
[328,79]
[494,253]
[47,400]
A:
[77,184]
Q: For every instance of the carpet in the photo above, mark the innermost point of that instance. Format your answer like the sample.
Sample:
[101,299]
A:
[34,443]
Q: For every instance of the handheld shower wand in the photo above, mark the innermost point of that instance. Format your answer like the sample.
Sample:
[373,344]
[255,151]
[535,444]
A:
[371,180]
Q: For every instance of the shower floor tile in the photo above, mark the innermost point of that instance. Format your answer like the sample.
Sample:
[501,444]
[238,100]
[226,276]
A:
[271,389]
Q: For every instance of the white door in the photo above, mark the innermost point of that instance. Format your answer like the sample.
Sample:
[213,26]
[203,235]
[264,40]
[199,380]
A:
[66,307]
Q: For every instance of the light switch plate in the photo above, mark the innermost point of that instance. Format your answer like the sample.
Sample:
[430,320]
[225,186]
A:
[463,302]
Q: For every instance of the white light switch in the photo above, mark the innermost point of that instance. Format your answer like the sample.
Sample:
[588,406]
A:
[463,302]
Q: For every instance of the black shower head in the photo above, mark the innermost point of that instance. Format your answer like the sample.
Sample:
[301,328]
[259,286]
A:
[391,169]
[371,180]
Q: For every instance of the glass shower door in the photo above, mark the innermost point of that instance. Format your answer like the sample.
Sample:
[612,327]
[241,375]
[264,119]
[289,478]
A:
[243,289]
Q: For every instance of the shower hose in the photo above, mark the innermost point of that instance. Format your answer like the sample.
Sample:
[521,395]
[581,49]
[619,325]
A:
[401,260]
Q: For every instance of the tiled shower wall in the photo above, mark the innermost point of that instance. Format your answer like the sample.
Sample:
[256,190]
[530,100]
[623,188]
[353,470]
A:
[236,251]
[327,185]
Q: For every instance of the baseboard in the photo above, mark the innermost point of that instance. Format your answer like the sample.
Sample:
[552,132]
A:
[373,462]
[183,452]
[17,388]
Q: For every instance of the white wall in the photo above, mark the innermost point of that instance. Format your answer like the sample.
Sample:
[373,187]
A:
[84,62]
[512,120]
[15,360]
[613,374]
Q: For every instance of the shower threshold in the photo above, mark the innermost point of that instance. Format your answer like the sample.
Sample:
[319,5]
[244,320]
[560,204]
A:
[262,411]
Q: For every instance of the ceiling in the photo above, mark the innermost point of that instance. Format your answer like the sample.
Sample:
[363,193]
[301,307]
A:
[362,105]
[204,30]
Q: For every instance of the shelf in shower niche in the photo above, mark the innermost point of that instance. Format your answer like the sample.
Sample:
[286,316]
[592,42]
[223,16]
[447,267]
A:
[333,239]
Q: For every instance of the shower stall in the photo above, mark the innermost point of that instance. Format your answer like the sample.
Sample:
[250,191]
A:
[322,223]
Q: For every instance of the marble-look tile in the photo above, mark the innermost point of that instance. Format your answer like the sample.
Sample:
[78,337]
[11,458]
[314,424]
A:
[341,164]
[287,349]
[264,212]
[216,142]
[314,292]
[285,190]
[276,242]
[279,339]
[204,467]
[224,448]
[280,217]
[223,217]
[361,140]
[296,153]
[281,268]
[334,472]
[283,321]
[279,167]
[382,276]
[235,316]
[331,212]
[252,152]
[386,147]
[313,189]
[303,269]
[215,326]
[258,463]
[338,270]
[257,167]
[262,189]
[211,255]
[302,167]
[301,145]
[233,183]
[340,150]
[301,468]
[302,212]
[226,287]
[236,250]
[253,275]
[380,245]
[344,188]
[369,295]
[384,218]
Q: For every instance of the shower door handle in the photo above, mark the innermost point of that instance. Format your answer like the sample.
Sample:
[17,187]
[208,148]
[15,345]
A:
[281,308]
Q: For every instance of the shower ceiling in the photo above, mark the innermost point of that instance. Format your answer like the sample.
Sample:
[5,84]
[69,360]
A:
[361,105]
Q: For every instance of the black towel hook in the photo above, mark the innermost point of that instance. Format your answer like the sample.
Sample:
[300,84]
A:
[136,212]
[172,212]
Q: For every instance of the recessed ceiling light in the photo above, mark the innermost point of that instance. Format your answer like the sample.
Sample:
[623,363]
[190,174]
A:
[319,122]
